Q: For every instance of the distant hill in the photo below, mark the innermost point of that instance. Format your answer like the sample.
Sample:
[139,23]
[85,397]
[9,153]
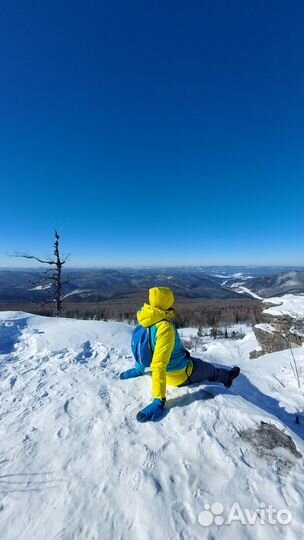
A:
[105,284]
[278,284]
[95,285]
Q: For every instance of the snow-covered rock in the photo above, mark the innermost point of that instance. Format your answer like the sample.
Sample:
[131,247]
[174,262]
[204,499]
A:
[76,465]
[266,327]
[282,326]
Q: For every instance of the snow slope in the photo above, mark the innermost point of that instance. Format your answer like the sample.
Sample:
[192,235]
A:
[289,304]
[76,465]
[241,289]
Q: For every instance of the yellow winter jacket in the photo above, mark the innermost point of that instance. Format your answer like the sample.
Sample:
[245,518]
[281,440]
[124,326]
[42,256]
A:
[166,342]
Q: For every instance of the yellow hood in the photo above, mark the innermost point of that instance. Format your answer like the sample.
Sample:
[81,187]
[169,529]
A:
[149,315]
[161,297]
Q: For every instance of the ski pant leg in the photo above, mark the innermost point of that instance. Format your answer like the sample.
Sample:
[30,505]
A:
[203,371]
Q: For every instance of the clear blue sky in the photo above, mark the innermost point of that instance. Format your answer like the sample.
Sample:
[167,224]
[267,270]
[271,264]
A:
[160,132]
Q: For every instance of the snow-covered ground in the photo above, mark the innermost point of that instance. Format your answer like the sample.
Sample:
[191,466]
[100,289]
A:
[289,304]
[76,465]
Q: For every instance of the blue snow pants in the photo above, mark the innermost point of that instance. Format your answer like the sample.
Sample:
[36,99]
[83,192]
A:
[204,371]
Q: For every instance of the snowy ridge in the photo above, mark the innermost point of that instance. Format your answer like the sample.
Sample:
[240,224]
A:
[41,287]
[75,464]
[289,304]
[77,291]
[241,289]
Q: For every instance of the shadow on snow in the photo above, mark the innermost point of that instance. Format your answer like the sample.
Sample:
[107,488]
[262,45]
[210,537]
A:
[245,389]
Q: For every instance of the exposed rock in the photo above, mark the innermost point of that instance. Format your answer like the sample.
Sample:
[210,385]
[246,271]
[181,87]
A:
[277,333]
[274,445]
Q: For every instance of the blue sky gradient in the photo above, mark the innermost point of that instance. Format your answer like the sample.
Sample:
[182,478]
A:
[153,132]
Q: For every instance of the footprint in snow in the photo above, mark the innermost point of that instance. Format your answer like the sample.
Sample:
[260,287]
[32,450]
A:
[63,432]
[13,382]
[67,405]
[123,473]
[115,448]
[104,362]
[182,516]
[104,395]
[136,480]
[151,459]
[198,493]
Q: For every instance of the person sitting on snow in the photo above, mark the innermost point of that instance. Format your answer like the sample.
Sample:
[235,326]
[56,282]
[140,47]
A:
[157,344]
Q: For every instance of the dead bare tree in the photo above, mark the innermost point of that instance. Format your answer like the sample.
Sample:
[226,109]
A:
[53,276]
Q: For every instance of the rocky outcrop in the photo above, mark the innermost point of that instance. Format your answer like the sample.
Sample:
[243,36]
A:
[276,333]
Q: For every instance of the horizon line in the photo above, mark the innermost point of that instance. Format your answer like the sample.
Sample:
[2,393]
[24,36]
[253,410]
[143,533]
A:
[142,266]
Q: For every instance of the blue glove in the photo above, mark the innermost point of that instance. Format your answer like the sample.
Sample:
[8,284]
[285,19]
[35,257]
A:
[134,372]
[152,412]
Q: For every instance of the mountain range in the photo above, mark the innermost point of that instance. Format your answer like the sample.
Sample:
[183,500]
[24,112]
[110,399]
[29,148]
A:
[92,285]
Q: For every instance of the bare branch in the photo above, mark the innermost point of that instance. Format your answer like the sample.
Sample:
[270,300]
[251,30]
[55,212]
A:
[26,256]
[281,383]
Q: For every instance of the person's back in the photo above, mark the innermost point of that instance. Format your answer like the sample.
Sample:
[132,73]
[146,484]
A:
[170,362]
